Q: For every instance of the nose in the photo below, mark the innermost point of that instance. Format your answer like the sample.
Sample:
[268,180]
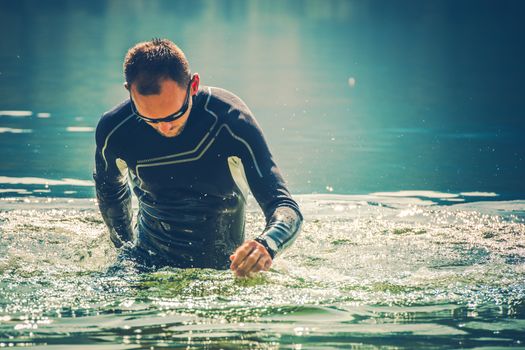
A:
[164,127]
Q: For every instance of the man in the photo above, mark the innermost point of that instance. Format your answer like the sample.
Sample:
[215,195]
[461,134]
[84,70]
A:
[191,152]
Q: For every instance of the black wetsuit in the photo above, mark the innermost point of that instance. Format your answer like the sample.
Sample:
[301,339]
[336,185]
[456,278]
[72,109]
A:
[191,188]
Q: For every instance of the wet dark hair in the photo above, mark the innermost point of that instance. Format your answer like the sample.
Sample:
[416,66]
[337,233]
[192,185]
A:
[148,63]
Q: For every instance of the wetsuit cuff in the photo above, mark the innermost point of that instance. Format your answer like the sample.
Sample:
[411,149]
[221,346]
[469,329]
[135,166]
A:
[269,244]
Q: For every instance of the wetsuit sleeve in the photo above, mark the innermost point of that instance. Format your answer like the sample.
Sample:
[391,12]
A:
[112,190]
[283,216]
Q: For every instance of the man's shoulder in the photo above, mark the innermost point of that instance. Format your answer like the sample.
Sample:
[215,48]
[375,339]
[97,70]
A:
[115,117]
[223,102]
[114,120]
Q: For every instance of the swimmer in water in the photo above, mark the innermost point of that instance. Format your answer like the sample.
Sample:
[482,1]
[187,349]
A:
[191,154]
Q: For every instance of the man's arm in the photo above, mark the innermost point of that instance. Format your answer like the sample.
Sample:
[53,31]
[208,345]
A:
[283,216]
[112,189]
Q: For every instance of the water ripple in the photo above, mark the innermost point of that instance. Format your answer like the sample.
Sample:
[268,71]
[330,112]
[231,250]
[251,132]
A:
[356,269]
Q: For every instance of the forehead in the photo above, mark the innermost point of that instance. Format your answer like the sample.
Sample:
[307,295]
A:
[164,86]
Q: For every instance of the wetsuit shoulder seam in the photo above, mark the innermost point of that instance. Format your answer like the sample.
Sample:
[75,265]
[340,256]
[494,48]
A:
[226,123]
[110,133]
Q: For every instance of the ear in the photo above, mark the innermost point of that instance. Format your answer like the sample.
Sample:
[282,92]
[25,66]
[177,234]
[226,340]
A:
[195,84]
[126,85]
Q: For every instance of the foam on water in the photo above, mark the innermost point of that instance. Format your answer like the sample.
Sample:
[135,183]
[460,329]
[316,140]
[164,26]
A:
[360,261]
[80,129]
[43,181]
[14,131]
[16,114]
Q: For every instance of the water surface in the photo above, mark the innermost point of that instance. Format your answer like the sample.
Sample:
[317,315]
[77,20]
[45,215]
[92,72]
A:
[353,96]
[375,271]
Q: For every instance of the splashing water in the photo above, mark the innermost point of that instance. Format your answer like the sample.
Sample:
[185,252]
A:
[366,272]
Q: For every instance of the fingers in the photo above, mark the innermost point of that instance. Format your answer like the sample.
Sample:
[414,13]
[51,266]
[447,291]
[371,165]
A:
[250,258]
[250,264]
[241,253]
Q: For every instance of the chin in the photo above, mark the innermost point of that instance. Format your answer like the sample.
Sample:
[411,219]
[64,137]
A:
[173,133]
[170,134]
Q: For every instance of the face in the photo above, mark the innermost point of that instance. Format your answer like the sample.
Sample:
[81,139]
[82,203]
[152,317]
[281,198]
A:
[170,100]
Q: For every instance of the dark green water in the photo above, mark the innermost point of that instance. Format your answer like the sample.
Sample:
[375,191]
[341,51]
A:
[411,109]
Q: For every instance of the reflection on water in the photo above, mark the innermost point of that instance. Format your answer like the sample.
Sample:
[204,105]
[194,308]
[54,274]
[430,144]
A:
[80,129]
[15,131]
[367,270]
[16,114]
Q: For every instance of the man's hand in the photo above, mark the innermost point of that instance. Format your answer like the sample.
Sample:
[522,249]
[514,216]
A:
[249,258]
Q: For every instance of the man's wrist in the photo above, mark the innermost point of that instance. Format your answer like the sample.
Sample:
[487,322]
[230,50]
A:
[268,244]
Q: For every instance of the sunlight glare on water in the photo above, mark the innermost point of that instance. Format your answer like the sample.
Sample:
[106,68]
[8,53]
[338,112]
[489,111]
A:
[361,265]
